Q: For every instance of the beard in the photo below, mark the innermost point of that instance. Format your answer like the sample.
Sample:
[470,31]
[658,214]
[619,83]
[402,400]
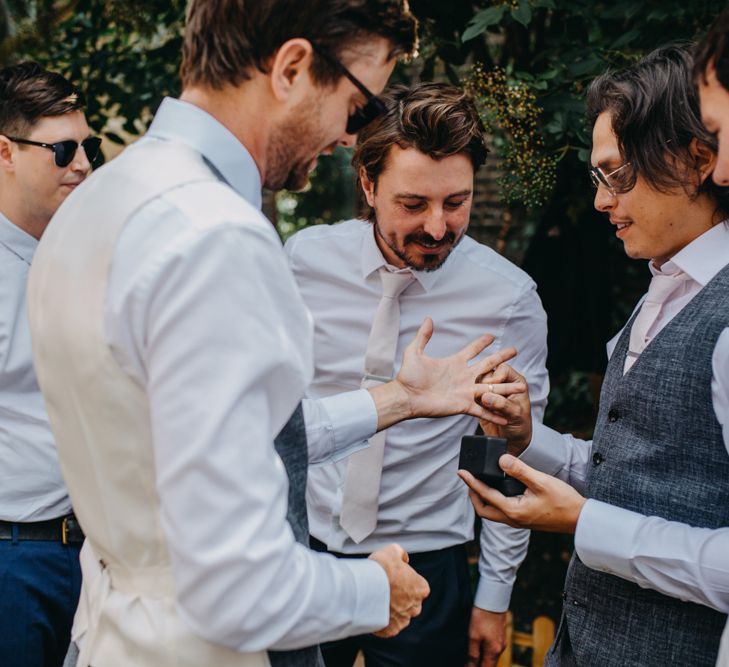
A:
[420,261]
[293,149]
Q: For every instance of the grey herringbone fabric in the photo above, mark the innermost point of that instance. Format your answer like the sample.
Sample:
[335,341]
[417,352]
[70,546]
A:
[292,448]
[658,450]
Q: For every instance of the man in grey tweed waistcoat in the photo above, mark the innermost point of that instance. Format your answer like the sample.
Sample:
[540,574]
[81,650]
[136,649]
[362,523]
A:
[648,584]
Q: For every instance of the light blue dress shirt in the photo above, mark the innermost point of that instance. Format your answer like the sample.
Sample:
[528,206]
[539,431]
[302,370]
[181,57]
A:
[423,505]
[207,319]
[31,485]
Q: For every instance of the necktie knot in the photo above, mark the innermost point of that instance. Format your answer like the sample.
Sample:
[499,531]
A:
[394,284]
[664,285]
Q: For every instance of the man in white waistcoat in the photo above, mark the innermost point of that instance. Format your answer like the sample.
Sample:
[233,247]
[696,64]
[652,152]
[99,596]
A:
[172,347]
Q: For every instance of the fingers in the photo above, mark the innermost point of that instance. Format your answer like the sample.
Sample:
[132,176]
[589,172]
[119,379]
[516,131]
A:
[497,404]
[495,361]
[517,469]
[503,389]
[424,335]
[475,348]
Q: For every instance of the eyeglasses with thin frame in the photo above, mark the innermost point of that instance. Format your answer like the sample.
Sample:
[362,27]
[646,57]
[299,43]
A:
[612,181]
[363,115]
[64,151]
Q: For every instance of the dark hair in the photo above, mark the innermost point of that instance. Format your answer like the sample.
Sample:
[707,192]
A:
[655,115]
[28,93]
[712,50]
[225,39]
[435,118]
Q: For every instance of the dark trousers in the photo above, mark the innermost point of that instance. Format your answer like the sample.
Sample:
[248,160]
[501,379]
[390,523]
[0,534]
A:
[39,589]
[438,637]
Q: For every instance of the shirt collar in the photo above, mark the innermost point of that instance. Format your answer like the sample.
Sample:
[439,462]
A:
[16,240]
[372,260]
[703,258]
[181,121]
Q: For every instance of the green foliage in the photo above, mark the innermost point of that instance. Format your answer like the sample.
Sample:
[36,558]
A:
[123,54]
[510,114]
[553,48]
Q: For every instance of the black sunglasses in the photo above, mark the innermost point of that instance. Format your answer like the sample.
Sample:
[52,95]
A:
[363,115]
[63,151]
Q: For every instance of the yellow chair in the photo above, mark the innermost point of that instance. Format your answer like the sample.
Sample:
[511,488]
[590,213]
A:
[539,640]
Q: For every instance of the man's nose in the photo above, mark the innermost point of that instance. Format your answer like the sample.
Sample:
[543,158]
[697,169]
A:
[436,224]
[80,161]
[604,199]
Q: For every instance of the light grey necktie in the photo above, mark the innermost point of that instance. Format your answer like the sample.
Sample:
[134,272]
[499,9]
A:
[364,468]
[662,287]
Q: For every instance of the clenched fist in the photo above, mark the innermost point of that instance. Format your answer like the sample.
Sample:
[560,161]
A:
[407,588]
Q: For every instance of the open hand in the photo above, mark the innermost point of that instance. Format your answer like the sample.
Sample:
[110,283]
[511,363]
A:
[448,386]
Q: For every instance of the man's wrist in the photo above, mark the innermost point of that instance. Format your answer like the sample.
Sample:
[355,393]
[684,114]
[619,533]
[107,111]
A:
[393,403]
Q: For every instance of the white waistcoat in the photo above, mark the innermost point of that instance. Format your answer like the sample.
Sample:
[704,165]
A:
[100,419]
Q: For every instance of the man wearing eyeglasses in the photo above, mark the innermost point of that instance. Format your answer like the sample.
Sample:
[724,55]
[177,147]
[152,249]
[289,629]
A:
[648,497]
[173,349]
[42,126]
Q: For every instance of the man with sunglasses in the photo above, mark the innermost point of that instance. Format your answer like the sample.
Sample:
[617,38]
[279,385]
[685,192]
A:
[173,349]
[42,125]
[648,497]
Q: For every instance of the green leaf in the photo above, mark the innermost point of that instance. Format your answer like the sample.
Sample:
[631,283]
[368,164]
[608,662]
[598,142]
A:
[522,13]
[625,39]
[482,21]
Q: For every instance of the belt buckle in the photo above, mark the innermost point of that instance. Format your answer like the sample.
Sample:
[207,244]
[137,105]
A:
[64,531]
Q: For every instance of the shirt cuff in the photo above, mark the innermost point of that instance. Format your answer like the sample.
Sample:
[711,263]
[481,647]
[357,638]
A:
[546,450]
[605,536]
[372,604]
[349,419]
[492,595]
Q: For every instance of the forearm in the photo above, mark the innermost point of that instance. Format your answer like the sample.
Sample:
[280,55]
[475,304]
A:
[676,559]
[503,549]
[558,454]
[339,425]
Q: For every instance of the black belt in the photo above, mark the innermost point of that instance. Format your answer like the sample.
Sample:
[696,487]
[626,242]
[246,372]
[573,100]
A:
[64,529]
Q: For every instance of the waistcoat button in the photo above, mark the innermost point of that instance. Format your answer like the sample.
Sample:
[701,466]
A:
[597,458]
[613,415]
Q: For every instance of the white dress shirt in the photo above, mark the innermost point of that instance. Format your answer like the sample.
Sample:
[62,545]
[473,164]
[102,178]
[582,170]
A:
[423,505]
[31,485]
[210,323]
[682,561]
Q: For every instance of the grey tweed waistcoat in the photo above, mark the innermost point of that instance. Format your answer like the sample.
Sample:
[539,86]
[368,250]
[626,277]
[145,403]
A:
[292,448]
[658,450]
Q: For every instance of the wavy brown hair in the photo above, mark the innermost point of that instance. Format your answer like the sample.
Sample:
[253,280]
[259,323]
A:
[655,116]
[437,119]
[226,39]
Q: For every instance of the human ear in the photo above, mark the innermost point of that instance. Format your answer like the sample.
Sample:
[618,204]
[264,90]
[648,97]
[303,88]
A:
[368,187]
[704,158]
[7,159]
[289,69]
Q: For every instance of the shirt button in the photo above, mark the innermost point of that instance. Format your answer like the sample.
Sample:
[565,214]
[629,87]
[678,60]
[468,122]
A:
[613,415]
[597,458]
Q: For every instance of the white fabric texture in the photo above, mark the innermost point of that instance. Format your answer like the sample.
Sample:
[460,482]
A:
[31,484]
[423,505]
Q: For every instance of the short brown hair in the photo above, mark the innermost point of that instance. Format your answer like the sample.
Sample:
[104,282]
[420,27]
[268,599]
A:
[225,39]
[28,93]
[437,119]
